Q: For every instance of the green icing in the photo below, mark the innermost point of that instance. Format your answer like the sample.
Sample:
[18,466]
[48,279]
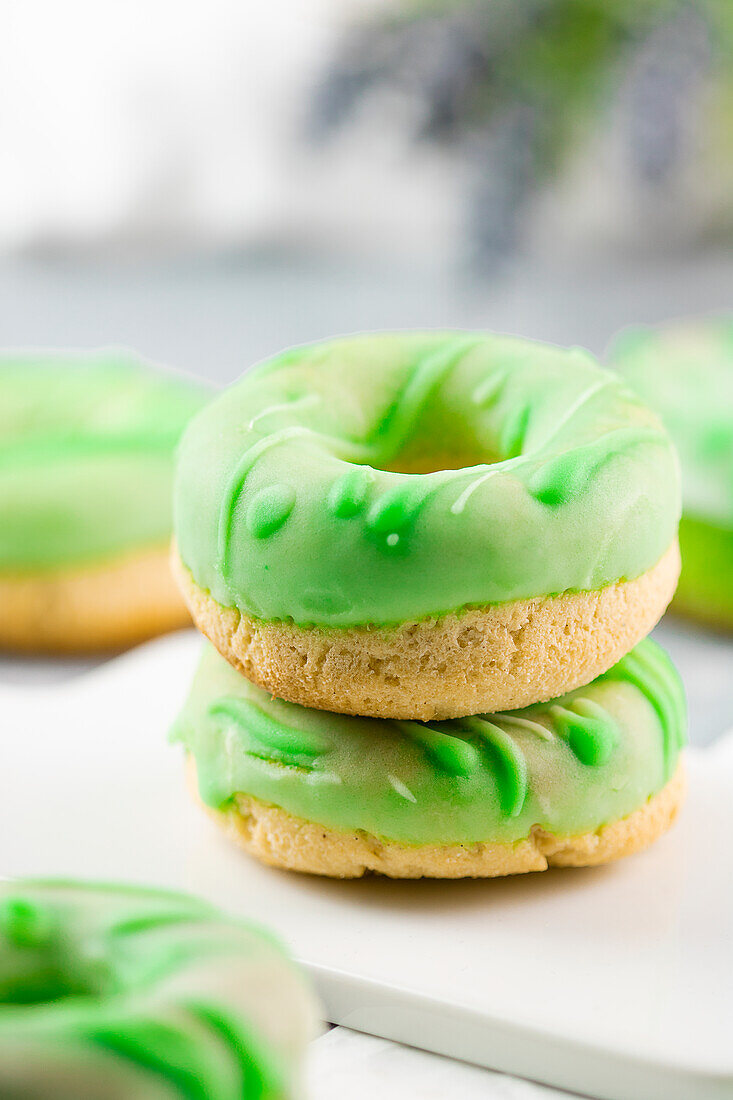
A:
[567,766]
[348,494]
[113,983]
[645,670]
[24,924]
[685,372]
[447,753]
[507,762]
[273,739]
[167,1051]
[86,457]
[588,729]
[301,492]
[269,509]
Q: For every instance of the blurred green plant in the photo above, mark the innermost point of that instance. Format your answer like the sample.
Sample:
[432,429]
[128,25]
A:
[514,84]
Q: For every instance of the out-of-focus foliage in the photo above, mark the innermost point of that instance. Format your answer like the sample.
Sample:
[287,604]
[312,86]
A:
[513,85]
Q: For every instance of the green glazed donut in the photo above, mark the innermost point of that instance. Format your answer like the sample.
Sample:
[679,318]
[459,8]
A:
[368,525]
[134,994]
[86,470]
[581,779]
[685,372]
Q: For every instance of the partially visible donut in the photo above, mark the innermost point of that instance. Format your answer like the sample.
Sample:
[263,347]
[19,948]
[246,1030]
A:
[590,777]
[133,994]
[685,372]
[86,468]
[426,525]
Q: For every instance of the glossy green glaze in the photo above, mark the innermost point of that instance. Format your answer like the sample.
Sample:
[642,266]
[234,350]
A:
[548,476]
[130,993]
[568,766]
[86,458]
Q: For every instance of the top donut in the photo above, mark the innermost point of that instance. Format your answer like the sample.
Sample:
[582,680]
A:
[426,525]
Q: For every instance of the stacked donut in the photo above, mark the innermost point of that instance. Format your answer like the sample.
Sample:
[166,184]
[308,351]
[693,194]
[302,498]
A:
[429,563]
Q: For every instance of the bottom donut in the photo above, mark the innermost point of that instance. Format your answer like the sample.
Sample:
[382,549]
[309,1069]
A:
[584,779]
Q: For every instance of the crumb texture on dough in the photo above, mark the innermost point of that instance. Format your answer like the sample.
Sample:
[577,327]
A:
[281,840]
[487,659]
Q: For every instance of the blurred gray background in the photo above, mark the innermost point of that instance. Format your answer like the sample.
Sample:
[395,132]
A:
[208,184]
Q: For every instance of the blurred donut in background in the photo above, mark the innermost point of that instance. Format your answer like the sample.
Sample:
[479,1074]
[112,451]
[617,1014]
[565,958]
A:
[86,463]
[684,370]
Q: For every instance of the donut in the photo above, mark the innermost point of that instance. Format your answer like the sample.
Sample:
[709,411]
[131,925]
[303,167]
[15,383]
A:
[425,526]
[685,372]
[135,994]
[86,472]
[584,779]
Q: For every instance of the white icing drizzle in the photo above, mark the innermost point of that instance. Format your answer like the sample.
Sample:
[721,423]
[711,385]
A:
[488,388]
[527,724]
[306,401]
[401,788]
[579,402]
[499,468]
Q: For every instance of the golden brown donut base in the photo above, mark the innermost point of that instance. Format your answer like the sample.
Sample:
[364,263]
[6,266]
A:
[281,840]
[107,606]
[481,660]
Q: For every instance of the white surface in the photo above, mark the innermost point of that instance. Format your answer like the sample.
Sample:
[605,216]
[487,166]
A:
[346,1065]
[614,982]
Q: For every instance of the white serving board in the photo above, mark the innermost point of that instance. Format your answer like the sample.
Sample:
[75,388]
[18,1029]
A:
[616,982]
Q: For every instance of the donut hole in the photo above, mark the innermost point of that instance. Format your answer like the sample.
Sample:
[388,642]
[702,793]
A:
[39,964]
[49,983]
[447,434]
[422,463]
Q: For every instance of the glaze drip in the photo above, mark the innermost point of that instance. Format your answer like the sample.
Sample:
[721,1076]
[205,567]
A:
[348,494]
[650,676]
[588,729]
[281,744]
[237,483]
[567,476]
[567,766]
[25,924]
[507,762]
[268,510]
[446,752]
